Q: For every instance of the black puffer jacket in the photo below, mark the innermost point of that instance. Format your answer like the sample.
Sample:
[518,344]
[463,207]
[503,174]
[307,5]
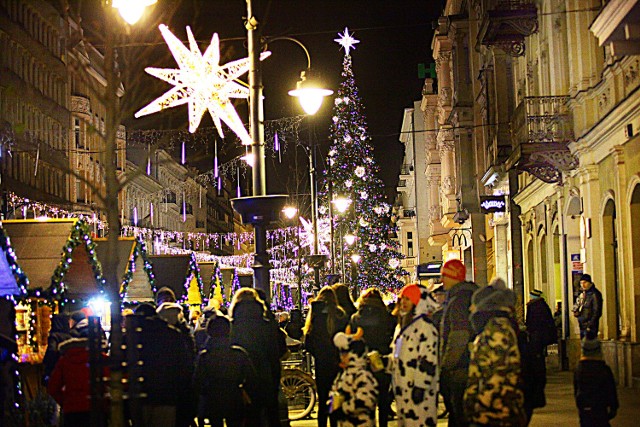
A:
[376,322]
[319,340]
[252,330]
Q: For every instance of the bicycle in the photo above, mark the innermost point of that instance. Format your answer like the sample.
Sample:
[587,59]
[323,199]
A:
[298,386]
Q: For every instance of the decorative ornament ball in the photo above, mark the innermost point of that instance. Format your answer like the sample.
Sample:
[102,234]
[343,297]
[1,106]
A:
[363,222]
[345,100]
[347,138]
[379,210]
[335,119]
[383,246]
[332,153]
[372,247]
[369,160]
[348,183]
[338,101]
[360,171]
[394,263]
[331,161]
[322,210]
[364,195]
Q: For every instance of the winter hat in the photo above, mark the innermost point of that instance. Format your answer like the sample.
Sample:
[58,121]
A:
[77,316]
[586,278]
[145,310]
[454,269]
[493,298]
[218,327]
[165,294]
[535,293]
[591,348]
[412,292]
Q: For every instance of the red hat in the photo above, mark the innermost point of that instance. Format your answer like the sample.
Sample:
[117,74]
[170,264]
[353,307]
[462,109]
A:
[412,292]
[454,269]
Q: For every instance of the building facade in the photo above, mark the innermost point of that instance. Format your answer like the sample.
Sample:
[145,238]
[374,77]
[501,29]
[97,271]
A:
[539,102]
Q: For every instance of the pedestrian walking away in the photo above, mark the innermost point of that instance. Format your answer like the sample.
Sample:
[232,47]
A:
[594,387]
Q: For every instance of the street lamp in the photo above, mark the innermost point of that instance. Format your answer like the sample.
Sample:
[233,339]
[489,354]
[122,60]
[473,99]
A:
[132,10]
[259,209]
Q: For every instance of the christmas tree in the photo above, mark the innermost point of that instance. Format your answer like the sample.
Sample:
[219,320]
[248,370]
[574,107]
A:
[352,174]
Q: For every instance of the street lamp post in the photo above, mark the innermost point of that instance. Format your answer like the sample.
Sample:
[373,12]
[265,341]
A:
[260,209]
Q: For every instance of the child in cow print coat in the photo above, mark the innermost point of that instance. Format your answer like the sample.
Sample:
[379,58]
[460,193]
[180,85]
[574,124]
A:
[353,397]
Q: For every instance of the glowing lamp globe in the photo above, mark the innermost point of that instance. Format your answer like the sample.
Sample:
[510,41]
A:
[309,94]
[132,10]
[342,204]
[356,258]
[290,211]
[350,239]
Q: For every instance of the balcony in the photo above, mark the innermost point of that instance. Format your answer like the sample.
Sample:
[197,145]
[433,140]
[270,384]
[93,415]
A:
[406,171]
[507,23]
[541,129]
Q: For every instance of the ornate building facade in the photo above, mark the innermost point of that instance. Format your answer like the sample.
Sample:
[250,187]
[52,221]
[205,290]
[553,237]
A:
[538,103]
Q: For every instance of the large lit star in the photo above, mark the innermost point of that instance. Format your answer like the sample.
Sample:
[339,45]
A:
[347,41]
[202,83]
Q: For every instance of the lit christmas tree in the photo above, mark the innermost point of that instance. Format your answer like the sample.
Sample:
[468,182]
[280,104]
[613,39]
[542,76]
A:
[352,174]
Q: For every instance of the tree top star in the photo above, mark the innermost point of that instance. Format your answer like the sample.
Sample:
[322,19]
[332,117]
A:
[347,41]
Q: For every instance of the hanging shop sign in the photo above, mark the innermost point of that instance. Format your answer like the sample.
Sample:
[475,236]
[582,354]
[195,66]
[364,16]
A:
[491,204]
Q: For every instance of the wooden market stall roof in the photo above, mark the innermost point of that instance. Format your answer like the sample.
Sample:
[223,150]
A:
[58,256]
[180,273]
[137,281]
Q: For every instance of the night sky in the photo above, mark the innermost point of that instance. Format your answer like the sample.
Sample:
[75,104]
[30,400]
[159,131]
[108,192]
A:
[395,36]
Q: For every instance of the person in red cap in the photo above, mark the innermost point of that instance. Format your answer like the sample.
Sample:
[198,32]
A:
[456,333]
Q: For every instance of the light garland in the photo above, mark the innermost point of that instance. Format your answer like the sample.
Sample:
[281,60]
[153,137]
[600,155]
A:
[80,235]
[139,250]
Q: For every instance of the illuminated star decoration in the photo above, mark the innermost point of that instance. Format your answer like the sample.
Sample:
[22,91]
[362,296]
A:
[347,41]
[202,83]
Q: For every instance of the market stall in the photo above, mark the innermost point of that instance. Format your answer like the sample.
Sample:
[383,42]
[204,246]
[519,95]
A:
[13,288]
[181,274]
[58,256]
[136,272]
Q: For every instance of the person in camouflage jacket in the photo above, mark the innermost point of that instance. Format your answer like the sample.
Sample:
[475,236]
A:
[494,396]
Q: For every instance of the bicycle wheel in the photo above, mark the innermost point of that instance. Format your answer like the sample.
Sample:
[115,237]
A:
[300,390]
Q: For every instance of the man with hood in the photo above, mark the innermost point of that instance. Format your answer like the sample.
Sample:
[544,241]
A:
[455,335]
[414,361]
[169,310]
[494,396]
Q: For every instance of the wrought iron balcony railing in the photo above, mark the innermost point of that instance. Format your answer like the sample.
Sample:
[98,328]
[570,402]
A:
[541,128]
[506,23]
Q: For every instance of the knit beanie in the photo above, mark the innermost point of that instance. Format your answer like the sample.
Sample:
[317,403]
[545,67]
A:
[218,326]
[454,269]
[412,292]
[493,298]
[535,293]
[586,278]
[591,348]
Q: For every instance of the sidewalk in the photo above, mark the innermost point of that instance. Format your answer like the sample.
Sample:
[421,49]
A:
[561,408]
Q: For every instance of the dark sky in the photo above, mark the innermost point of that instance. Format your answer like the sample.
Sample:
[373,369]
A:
[395,36]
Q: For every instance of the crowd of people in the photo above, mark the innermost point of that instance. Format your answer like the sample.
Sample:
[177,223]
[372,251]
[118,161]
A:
[459,340]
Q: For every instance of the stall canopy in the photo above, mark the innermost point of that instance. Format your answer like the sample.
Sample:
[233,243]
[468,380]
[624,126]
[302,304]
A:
[58,256]
[134,269]
[13,281]
[180,273]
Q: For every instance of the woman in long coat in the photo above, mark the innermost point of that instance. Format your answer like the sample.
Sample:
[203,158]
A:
[252,330]
[325,319]
[414,362]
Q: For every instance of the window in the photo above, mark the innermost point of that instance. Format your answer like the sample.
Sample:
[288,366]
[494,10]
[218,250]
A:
[409,243]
